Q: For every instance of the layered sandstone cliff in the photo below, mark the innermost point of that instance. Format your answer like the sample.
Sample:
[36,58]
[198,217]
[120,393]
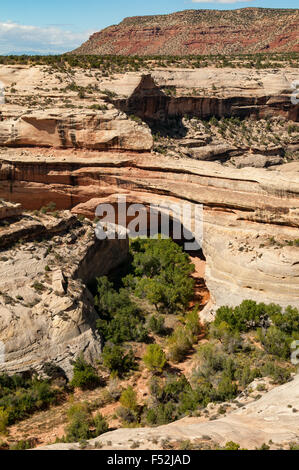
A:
[97,151]
[247,30]
[244,210]
[46,311]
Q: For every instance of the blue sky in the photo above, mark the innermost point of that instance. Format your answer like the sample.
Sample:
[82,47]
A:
[60,25]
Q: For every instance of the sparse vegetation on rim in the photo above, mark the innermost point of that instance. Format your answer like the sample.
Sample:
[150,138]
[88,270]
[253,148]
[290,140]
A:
[199,31]
[109,64]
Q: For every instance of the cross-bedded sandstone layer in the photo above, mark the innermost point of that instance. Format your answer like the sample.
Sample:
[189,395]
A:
[245,210]
[46,311]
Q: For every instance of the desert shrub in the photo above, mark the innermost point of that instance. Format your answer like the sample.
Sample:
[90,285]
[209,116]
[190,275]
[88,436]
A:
[82,426]
[154,359]
[251,315]
[156,324]
[245,375]
[126,415]
[120,319]
[294,446]
[246,316]
[192,322]
[174,399]
[161,274]
[179,344]
[275,342]
[231,340]
[100,424]
[161,414]
[288,322]
[79,423]
[128,399]
[4,420]
[226,389]
[85,376]
[21,445]
[231,446]
[278,374]
[129,411]
[117,359]
[210,360]
[114,389]
[20,397]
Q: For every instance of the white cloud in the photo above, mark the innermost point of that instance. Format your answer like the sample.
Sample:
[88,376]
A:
[18,38]
[221,1]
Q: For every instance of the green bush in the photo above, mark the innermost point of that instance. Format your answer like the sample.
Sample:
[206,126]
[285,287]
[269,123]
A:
[127,416]
[246,316]
[120,319]
[79,423]
[278,374]
[162,274]
[100,424]
[251,315]
[210,360]
[275,342]
[288,322]
[85,376]
[4,420]
[192,322]
[156,324]
[179,344]
[20,397]
[21,445]
[232,446]
[245,375]
[226,389]
[117,360]
[172,400]
[82,426]
[128,399]
[154,359]
[231,340]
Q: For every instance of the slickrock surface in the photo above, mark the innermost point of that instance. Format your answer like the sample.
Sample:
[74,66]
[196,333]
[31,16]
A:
[205,93]
[246,30]
[46,312]
[83,130]
[8,209]
[274,417]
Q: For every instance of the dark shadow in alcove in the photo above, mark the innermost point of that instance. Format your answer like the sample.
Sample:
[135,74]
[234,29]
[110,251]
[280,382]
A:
[172,127]
[149,103]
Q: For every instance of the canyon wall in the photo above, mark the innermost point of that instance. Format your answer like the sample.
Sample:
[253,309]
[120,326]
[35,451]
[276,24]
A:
[205,93]
[251,216]
[46,312]
[244,210]
[246,30]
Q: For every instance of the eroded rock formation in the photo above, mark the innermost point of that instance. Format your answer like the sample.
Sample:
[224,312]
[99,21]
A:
[79,151]
[8,210]
[46,311]
[249,213]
